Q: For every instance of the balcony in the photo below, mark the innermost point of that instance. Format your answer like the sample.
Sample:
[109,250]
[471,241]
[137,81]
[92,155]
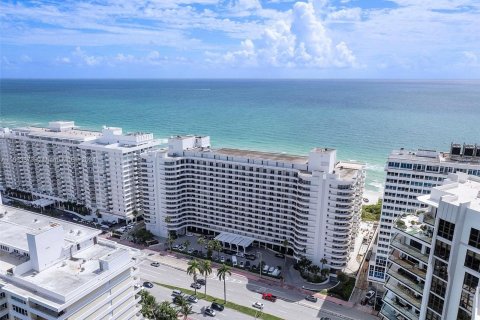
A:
[403,293]
[409,250]
[401,307]
[413,227]
[389,313]
[401,277]
[409,266]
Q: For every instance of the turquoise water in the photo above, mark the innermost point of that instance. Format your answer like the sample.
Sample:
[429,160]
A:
[364,120]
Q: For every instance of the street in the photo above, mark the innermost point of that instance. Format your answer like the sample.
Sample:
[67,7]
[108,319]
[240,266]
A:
[290,305]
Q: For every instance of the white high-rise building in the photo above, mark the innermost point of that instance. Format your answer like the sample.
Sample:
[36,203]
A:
[411,174]
[244,196]
[98,170]
[53,269]
[434,267]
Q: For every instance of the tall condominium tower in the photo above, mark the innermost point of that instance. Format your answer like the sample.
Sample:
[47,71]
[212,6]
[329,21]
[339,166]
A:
[52,269]
[99,170]
[244,196]
[411,174]
[433,270]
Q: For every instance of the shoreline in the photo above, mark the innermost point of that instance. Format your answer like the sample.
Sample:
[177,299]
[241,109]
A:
[372,196]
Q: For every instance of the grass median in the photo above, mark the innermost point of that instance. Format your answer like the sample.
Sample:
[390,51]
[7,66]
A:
[245,310]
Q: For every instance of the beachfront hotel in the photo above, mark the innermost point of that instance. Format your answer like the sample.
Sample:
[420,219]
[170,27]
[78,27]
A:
[244,197]
[433,270]
[53,269]
[61,163]
[411,174]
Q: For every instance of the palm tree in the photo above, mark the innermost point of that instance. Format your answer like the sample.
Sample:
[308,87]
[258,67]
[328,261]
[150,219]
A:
[165,311]
[135,214]
[187,244]
[217,246]
[193,269]
[201,241]
[205,270]
[170,241]
[148,304]
[185,310]
[222,274]
[285,245]
[323,261]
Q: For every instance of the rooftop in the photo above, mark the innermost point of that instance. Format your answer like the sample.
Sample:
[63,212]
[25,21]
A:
[73,134]
[16,223]
[457,189]
[251,154]
[429,156]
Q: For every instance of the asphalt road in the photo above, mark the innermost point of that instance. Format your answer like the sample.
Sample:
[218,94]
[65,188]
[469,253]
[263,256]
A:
[290,305]
[162,294]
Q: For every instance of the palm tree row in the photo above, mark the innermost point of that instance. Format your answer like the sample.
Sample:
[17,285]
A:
[204,267]
[158,311]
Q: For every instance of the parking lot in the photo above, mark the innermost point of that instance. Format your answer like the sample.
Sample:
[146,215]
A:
[251,259]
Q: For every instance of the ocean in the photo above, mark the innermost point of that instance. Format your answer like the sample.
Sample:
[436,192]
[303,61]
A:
[363,119]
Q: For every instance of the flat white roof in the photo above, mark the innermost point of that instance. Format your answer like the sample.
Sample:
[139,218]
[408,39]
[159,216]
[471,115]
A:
[16,223]
[234,239]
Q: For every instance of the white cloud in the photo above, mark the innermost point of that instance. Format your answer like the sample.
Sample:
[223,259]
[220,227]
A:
[25,58]
[87,59]
[471,59]
[299,41]
[345,15]
[63,60]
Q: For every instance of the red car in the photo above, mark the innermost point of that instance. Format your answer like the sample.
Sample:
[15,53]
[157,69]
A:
[269,297]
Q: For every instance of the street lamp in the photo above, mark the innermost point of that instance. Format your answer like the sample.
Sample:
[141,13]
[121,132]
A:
[259,254]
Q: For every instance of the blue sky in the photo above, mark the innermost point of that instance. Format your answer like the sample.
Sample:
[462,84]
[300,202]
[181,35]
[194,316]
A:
[240,39]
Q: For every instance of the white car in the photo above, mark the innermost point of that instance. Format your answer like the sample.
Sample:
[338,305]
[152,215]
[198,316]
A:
[257,305]
[189,234]
[222,259]
[370,294]
[240,254]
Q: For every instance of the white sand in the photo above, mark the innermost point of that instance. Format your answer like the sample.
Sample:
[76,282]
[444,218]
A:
[372,196]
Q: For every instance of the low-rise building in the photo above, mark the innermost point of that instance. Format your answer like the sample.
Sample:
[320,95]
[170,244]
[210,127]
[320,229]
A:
[53,269]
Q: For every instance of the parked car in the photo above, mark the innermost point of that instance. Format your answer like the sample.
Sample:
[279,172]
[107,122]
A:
[280,255]
[222,259]
[217,306]
[196,285]
[265,268]
[147,284]
[195,252]
[370,294]
[201,281]
[241,264]
[270,270]
[175,247]
[250,256]
[155,264]
[364,301]
[209,312]
[190,251]
[257,305]
[311,298]
[181,248]
[192,299]
[177,293]
[270,297]
[240,254]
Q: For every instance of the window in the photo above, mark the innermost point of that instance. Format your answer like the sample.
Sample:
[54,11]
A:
[446,229]
[432,316]
[463,315]
[442,250]
[472,260]
[438,286]
[440,269]
[470,283]
[435,303]
[19,310]
[474,239]
[466,301]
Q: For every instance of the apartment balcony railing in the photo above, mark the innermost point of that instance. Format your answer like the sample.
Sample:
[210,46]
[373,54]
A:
[403,293]
[389,313]
[401,307]
[409,250]
[405,280]
[409,266]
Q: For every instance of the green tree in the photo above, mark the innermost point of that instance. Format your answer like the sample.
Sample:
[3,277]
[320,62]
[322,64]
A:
[222,273]
[323,261]
[148,303]
[217,246]
[135,214]
[201,241]
[170,241]
[187,244]
[165,311]
[205,270]
[185,310]
[193,269]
